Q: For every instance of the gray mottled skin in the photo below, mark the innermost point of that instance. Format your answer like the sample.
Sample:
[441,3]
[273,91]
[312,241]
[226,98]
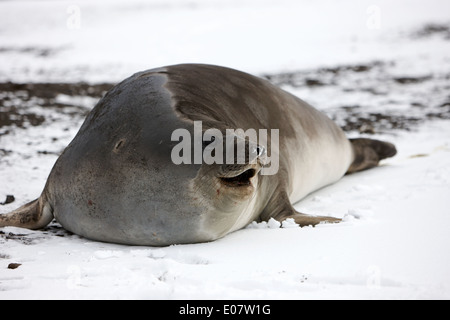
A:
[116,181]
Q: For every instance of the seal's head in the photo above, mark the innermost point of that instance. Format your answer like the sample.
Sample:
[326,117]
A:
[228,192]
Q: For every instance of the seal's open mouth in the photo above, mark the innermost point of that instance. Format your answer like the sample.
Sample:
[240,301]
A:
[240,180]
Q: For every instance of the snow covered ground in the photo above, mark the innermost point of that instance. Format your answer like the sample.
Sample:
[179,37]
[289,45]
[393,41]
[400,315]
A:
[378,68]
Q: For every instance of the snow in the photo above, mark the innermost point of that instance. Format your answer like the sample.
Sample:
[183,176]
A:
[393,241]
[92,40]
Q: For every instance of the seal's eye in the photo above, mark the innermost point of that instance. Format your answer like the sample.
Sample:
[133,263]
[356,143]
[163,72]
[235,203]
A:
[119,145]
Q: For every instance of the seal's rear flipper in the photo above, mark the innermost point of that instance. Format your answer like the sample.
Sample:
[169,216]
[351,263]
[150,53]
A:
[368,153]
[33,215]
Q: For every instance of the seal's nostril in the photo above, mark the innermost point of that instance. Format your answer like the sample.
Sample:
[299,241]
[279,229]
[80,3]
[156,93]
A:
[260,151]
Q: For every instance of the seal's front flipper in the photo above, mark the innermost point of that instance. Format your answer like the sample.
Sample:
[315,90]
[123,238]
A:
[368,153]
[306,220]
[33,215]
[281,209]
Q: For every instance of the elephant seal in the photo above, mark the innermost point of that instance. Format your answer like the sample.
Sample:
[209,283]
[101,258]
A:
[117,180]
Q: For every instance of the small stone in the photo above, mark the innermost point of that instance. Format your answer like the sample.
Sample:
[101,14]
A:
[9,198]
[14,265]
